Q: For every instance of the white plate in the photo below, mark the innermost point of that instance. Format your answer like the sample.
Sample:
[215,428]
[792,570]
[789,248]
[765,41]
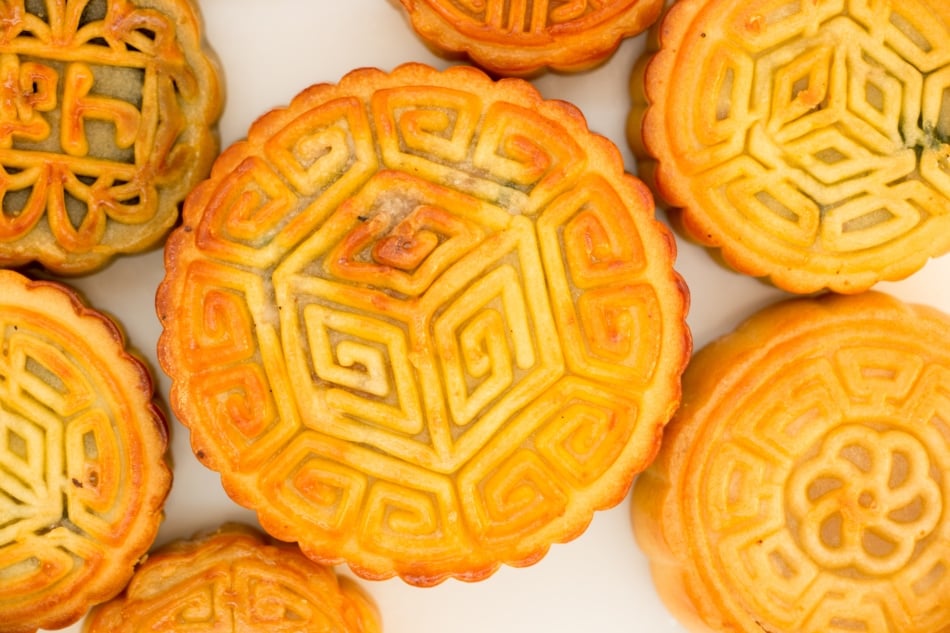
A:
[272,49]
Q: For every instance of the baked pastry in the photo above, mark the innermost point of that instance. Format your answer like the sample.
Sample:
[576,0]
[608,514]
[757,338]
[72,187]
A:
[83,476]
[523,38]
[802,487]
[107,110]
[235,580]
[806,143]
[423,323]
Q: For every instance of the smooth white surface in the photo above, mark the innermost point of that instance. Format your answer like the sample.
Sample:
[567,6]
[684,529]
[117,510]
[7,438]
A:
[599,583]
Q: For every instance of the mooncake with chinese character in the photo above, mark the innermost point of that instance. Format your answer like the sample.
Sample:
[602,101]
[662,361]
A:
[235,580]
[83,472]
[107,115]
[806,143]
[802,486]
[525,38]
[423,323]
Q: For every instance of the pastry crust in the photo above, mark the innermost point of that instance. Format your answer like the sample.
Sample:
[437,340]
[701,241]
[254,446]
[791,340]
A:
[520,39]
[235,580]
[802,486]
[423,322]
[805,142]
[107,115]
[83,476]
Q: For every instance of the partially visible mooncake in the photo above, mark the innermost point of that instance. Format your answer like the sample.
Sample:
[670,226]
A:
[423,322]
[803,485]
[235,580]
[107,110]
[804,142]
[83,476]
[523,38]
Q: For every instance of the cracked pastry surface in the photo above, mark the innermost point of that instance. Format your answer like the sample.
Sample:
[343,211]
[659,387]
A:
[804,142]
[423,322]
[235,580]
[802,486]
[521,38]
[107,110]
[83,476]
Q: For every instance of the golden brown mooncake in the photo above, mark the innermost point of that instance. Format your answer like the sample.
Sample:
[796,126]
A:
[423,322]
[524,38]
[804,142]
[83,476]
[803,485]
[107,110]
[235,580]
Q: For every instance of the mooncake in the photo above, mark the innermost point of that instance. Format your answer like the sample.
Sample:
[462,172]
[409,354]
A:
[423,322]
[83,476]
[803,142]
[235,580]
[525,38]
[107,114]
[802,487]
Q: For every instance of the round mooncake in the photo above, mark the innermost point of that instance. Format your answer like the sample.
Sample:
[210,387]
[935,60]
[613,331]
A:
[235,580]
[804,142]
[524,38]
[423,322]
[107,110]
[83,476]
[803,485]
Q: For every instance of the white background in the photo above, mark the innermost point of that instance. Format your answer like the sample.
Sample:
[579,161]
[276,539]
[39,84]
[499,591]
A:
[598,583]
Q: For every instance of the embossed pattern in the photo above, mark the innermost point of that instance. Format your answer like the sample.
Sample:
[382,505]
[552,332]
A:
[522,37]
[422,329]
[235,580]
[82,471]
[105,110]
[803,484]
[809,141]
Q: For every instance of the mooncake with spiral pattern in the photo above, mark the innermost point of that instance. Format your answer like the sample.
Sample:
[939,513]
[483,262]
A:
[423,322]
[526,38]
[803,485]
[807,143]
[107,115]
[83,472]
[235,580]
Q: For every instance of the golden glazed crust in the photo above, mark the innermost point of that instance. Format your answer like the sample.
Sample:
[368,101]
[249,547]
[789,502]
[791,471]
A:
[807,142]
[518,38]
[423,322]
[107,110]
[235,580]
[802,486]
[83,476]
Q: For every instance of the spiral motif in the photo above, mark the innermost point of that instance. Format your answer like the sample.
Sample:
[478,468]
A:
[362,368]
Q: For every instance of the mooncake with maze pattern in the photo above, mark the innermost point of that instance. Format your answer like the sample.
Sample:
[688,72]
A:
[806,142]
[235,580]
[107,114]
[803,485]
[525,38]
[423,322]
[83,476]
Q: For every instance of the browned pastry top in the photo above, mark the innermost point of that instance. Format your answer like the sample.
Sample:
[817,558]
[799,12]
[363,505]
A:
[808,142]
[423,322]
[106,108]
[83,476]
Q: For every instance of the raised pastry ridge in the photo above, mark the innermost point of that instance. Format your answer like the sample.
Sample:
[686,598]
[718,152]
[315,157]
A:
[803,485]
[809,141]
[83,476]
[235,579]
[523,38]
[422,328]
[106,115]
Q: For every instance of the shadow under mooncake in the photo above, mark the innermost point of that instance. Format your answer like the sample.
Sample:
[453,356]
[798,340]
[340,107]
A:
[423,323]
